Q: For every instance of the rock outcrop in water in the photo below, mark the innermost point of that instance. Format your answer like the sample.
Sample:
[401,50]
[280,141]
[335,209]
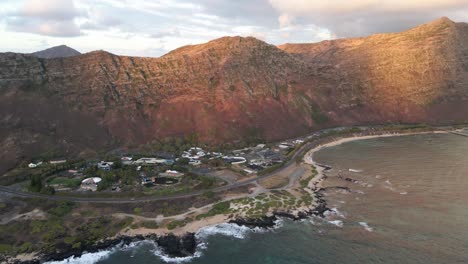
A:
[175,246]
[232,88]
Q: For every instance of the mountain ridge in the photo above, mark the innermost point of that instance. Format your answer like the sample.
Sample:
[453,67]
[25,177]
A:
[236,88]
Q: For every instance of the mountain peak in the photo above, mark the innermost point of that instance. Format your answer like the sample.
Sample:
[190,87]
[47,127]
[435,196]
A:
[443,20]
[229,42]
[440,25]
[61,51]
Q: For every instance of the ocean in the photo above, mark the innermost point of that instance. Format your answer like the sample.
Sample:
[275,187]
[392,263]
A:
[406,202]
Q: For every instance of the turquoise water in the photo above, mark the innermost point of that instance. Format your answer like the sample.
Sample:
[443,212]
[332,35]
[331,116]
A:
[408,204]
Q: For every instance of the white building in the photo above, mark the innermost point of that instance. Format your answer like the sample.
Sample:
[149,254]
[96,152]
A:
[90,183]
[55,162]
[35,165]
[153,161]
[105,165]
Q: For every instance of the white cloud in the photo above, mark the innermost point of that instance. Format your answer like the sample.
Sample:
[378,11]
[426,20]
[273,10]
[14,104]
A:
[363,17]
[285,20]
[50,9]
[46,17]
[305,7]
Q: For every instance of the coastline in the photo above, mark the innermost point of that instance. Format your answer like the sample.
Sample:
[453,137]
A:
[182,242]
[308,157]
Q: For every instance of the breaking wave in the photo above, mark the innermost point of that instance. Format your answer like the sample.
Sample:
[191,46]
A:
[366,226]
[158,252]
[90,258]
[337,223]
[334,212]
[225,229]
[86,258]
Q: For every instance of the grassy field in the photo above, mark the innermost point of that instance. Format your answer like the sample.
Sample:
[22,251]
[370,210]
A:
[66,182]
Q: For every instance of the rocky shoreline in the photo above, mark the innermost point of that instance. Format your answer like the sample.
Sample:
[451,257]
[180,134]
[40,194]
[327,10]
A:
[270,221]
[173,245]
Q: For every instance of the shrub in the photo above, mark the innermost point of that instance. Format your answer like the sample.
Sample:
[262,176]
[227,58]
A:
[149,224]
[138,210]
[62,209]
[208,194]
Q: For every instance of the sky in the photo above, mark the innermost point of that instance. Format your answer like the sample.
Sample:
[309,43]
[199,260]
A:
[155,27]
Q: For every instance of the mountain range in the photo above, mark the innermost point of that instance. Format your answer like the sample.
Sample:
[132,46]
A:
[232,88]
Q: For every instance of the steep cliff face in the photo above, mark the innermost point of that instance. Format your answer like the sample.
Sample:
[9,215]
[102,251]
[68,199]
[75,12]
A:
[234,88]
[215,90]
[415,76]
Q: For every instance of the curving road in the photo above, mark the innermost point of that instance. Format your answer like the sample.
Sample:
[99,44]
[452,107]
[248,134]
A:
[290,162]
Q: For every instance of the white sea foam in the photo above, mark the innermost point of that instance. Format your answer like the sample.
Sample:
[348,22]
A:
[158,252]
[404,193]
[337,223]
[90,258]
[356,171]
[316,221]
[388,182]
[366,226]
[86,258]
[226,229]
[334,212]
[279,223]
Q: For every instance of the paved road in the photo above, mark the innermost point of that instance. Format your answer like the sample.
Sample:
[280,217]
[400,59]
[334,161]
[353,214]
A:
[289,163]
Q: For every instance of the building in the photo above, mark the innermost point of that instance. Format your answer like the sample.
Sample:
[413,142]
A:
[234,160]
[90,184]
[194,153]
[105,165]
[145,179]
[195,162]
[55,162]
[260,146]
[285,145]
[34,165]
[267,154]
[171,173]
[153,161]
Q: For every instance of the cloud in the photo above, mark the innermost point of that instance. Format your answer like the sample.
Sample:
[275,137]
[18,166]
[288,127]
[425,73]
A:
[285,20]
[58,10]
[364,17]
[254,12]
[173,32]
[100,18]
[49,28]
[46,17]
[305,7]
